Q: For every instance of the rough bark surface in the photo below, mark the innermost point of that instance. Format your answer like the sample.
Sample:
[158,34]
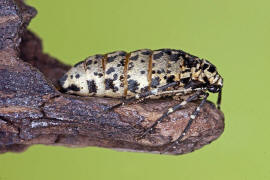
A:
[33,111]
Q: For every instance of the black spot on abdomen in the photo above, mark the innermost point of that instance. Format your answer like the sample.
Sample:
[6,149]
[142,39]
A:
[170,79]
[134,58]
[92,88]
[185,80]
[130,65]
[212,69]
[206,80]
[115,76]
[122,53]
[89,62]
[133,85]
[157,56]
[111,58]
[145,89]
[73,87]
[146,53]
[175,57]
[77,76]
[155,82]
[205,66]
[109,85]
[110,70]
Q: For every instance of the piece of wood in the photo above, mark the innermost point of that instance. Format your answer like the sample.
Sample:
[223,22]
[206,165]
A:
[33,111]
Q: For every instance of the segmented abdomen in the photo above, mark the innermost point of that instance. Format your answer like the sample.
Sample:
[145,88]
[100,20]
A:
[121,74]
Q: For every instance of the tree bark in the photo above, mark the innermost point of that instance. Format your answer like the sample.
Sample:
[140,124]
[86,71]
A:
[33,111]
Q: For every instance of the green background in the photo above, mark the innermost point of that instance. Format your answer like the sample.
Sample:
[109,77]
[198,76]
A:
[233,34]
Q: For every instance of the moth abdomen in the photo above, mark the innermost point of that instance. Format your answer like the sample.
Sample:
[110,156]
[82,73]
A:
[121,74]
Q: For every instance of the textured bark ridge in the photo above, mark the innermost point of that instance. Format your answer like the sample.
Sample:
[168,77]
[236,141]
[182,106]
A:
[33,111]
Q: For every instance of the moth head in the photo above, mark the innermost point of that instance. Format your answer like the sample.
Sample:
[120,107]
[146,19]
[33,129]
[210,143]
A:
[211,77]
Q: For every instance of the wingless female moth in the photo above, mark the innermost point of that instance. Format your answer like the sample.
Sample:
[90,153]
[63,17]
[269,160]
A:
[143,74]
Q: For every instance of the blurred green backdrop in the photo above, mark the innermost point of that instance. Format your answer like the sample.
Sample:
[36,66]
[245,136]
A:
[233,34]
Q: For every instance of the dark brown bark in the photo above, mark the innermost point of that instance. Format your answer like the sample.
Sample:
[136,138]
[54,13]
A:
[33,111]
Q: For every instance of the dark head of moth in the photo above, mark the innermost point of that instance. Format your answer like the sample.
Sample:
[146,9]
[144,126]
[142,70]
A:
[146,74]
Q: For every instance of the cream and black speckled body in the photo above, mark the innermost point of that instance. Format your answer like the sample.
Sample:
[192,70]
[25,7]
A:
[120,74]
[146,74]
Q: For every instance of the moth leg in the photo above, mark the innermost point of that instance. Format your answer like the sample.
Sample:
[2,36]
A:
[178,92]
[192,117]
[169,111]
[219,99]
[144,95]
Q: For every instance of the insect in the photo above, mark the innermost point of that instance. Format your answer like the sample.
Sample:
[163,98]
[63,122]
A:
[144,74]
